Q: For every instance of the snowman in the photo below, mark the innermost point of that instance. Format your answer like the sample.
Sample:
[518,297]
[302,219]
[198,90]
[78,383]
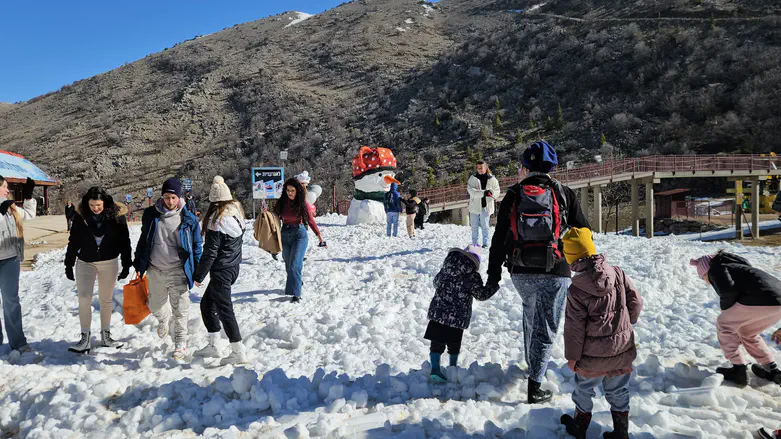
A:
[374,170]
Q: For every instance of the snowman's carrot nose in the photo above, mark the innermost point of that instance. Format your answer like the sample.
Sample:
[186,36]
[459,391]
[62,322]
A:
[389,179]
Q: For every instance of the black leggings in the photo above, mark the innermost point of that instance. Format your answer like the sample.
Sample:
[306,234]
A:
[216,304]
[438,347]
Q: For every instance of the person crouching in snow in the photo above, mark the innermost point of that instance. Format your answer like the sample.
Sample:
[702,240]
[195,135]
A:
[457,283]
[223,225]
[599,342]
[750,301]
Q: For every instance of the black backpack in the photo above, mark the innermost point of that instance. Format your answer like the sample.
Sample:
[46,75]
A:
[538,220]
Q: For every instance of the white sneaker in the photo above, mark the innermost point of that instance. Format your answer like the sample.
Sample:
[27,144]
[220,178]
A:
[237,355]
[180,352]
[162,328]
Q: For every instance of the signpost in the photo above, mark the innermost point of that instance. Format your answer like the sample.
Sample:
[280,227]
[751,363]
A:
[188,185]
[149,194]
[267,184]
[128,200]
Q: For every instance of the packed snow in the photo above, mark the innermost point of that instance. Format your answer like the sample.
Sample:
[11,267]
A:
[300,17]
[350,359]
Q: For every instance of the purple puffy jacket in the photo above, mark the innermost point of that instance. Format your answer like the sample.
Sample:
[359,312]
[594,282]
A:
[602,306]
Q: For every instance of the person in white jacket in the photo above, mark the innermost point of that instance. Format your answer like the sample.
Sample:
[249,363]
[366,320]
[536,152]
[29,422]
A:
[483,190]
[11,257]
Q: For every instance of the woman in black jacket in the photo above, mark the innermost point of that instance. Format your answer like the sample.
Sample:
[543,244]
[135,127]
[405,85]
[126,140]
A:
[223,225]
[98,238]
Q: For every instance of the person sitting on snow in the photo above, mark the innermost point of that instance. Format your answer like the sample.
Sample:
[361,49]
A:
[750,301]
[764,433]
[457,283]
[599,342]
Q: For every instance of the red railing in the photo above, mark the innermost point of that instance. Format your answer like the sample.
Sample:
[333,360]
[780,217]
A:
[448,195]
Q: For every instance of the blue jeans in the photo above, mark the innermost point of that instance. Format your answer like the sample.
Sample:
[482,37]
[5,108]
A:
[393,223]
[544,297]
[479,221]
[616,392]
[12,310]
[294,243]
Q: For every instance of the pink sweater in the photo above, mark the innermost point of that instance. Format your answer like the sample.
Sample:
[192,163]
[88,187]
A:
[291,218]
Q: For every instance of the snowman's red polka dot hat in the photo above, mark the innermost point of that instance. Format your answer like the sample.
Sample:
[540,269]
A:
[370,160]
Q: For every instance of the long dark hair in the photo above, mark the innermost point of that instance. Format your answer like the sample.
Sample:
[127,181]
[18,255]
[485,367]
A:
[110,208]
[298,204]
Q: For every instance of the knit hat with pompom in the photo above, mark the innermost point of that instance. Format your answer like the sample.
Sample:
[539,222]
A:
[219,191]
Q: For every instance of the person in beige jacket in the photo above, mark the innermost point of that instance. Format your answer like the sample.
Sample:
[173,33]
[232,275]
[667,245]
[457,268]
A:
[483,190]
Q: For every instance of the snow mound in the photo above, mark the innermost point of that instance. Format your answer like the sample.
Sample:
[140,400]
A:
[350,359]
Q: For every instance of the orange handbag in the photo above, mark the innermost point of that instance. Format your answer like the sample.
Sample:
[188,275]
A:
[134,306]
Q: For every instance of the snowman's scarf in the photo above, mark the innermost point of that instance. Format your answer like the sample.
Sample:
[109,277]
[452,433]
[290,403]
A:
[374,196]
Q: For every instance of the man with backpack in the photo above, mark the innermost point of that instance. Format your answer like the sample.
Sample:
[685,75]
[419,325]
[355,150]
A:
[483,189]
[411,208]
[392,204]
[532,218]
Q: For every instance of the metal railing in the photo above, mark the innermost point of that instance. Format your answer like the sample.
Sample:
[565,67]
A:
[443,197]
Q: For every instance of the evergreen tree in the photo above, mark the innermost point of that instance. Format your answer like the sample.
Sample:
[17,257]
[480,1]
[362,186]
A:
[497,121]
[518,137]
[496,104]
[602,139]
[559,118]
[436,119]
[431,180]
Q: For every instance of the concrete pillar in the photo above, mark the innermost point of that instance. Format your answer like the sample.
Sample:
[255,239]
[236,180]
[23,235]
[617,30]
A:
[649,209]
[755,193]
[596,211]
[584,202]
[464,212]
[635,210]
[738,209]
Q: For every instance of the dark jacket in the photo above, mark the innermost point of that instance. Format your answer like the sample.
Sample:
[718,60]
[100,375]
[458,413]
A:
[69,211]
[191,205]
[189,237]
[410,206]
[502,240]
[222,249]
[457,283]
[393,199]
[602,306]
[116,241]
[736,281]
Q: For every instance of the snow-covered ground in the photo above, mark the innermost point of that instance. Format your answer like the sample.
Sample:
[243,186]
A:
[349,360]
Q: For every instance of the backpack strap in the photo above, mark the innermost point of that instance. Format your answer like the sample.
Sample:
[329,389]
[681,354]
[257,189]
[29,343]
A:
[563,207]
[514,215]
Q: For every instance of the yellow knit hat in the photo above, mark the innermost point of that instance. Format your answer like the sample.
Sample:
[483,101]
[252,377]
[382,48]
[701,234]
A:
[578,244]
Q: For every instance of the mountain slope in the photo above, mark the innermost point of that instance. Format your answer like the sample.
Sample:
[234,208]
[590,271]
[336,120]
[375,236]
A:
[428,80]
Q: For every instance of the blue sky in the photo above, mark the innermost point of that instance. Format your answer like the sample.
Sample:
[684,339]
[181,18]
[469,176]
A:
[50,43]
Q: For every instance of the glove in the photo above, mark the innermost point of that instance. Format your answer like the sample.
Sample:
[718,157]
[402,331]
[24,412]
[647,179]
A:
[124,274]
[69,273]
[5,205]
[322,244]
[489,194]
[494,287]
[29,187]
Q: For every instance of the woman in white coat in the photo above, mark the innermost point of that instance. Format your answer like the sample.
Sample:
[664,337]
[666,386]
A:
[483,190]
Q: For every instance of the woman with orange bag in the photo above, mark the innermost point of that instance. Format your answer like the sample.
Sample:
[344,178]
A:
[98,238]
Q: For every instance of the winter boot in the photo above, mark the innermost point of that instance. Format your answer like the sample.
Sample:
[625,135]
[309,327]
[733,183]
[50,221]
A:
[436,372]
[83,346]
[737,374]
[769,372]
[105,338]
[180,351]
[453,360]
[162,328]
[237,355]
[578,425]
[295,299]
[536,394]
[764,433]
[620,426]
[210,351]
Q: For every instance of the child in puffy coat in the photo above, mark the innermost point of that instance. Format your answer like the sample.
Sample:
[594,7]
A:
[457,283]
[599,342]
[750,301]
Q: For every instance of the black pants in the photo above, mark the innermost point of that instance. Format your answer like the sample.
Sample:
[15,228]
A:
[419,220]
[438,347]
[216,304]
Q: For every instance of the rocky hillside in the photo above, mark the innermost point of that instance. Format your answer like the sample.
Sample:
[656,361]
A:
[440,83]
